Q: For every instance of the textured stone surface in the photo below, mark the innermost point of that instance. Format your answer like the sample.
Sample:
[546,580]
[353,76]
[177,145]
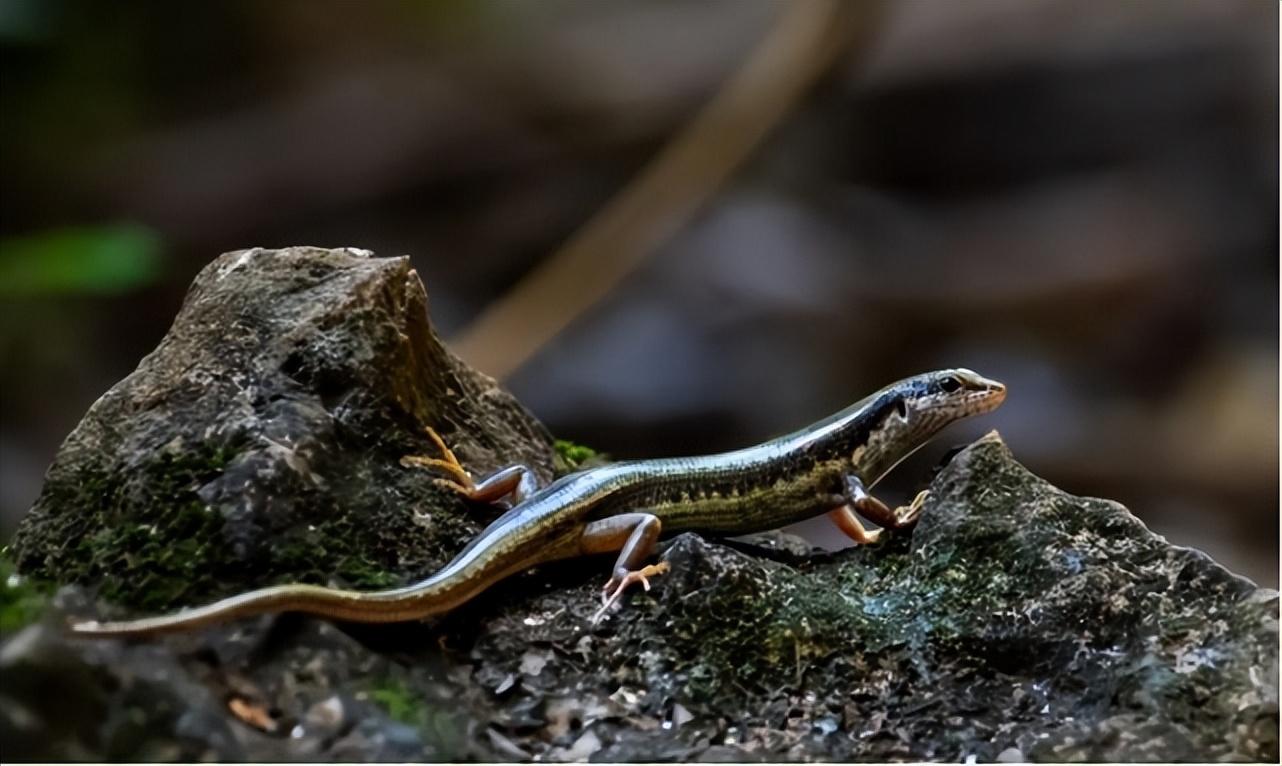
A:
[260,441]
[1016,622]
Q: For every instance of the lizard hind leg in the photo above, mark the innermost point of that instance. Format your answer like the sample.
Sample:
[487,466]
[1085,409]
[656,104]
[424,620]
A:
[516,481]
[634,536]
[460,480]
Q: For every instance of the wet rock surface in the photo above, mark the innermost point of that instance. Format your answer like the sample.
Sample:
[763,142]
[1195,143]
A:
[1016,622]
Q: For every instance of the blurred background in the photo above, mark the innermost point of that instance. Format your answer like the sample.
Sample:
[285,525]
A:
[1079,200]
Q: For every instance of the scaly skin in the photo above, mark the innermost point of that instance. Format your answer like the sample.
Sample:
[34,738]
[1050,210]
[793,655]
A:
[623,506]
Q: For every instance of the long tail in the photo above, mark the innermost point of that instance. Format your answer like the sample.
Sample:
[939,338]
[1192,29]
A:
[456,583]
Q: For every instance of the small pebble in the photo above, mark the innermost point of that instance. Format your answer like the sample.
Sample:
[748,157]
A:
[325,716]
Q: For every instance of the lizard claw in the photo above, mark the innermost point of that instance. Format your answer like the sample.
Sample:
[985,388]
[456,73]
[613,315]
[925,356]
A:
[616,586]
[449,484]
[461,480]
[906,515]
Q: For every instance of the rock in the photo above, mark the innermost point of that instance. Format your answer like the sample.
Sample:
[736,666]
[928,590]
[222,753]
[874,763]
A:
[48,700]
[261,441]
[384,742]
[1015,619]
[326,717]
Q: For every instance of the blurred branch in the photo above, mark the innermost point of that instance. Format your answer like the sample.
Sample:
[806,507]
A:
[807,39]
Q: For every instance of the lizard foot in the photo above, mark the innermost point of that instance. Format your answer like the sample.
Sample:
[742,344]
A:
[906,515]
[902,517]
[460,481]
[617,585]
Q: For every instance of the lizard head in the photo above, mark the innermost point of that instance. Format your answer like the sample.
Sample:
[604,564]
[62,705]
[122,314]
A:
[913,410]
[957,393]
[923,404]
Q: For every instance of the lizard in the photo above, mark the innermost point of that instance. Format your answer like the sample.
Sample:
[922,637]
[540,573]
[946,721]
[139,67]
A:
[827,467]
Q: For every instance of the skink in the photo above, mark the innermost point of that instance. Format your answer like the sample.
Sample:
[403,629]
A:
[824,468]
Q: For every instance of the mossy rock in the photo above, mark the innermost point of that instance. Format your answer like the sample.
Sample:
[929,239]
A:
[1016,621]
[260,442]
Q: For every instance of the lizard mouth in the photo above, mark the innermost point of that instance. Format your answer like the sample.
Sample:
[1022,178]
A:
[978,394]
[987,398]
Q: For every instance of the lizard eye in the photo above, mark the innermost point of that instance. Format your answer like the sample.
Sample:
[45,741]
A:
[901,409]
[950,385]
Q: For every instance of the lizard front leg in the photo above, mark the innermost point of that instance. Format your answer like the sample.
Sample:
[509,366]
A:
[857,499]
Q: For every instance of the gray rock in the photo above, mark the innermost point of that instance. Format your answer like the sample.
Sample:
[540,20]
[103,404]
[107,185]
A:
[1016,621]
[260,441]
[326,717]
[380,741]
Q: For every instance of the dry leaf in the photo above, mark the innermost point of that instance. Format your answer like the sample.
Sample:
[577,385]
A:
[251,713]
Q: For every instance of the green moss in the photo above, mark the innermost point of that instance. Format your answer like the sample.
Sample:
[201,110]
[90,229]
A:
[22,599]
[438,723]
[765,627]
[400,701]
[571,456]
[144,534]
[361,572]
[149,541]
[333,547]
